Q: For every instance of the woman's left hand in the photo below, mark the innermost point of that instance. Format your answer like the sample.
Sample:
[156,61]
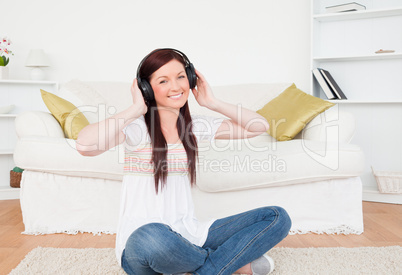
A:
[203,93]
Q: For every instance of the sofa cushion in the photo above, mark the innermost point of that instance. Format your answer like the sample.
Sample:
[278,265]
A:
[254,163]
[223,164]
[59,156]
[289,112]
[71,120]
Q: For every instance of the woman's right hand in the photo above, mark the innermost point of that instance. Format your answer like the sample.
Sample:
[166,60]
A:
[138,99]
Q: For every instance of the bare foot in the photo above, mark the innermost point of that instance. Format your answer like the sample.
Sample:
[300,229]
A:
[245,270]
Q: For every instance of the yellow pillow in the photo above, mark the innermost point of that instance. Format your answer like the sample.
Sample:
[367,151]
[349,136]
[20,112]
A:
[72,121]
[289,112]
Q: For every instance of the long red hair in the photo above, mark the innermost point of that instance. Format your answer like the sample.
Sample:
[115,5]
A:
[153,62]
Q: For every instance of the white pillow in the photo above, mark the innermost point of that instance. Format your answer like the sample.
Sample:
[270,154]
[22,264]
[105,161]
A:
[97,100]
[116,94]
[87,94]
[325,126]
[78,94]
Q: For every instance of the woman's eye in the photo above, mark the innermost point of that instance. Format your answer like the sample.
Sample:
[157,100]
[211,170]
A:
[163,81]
[182,76]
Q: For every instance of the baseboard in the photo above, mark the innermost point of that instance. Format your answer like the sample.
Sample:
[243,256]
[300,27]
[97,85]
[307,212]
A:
[9,193]
[375,196]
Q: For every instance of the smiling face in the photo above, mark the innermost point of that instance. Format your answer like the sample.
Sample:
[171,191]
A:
[170,85]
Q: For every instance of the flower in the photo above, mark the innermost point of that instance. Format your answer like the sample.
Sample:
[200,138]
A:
[5,43]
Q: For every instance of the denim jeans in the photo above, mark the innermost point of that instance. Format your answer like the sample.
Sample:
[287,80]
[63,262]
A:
[232,243]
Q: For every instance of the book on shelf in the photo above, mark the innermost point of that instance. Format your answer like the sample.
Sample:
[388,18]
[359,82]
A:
[324,85]
[332,83]
[353,6]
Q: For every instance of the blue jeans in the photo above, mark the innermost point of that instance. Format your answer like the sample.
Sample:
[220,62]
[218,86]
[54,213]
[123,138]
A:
[232,243]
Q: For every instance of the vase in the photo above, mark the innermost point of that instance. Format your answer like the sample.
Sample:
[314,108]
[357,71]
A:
[3,72]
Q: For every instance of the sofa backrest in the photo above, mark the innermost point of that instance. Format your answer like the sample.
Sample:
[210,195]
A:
[99,100]
[115,97]
[250,96]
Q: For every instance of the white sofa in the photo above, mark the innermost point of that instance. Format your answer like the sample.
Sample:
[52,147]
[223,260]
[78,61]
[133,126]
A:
[315,176]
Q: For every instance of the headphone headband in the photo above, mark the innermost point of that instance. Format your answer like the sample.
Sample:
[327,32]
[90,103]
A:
[186,60]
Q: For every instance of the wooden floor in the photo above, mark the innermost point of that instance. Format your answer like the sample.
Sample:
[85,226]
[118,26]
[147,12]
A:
[382,222]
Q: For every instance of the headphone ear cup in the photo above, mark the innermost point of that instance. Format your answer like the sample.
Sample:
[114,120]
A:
[146,90]
[191,76]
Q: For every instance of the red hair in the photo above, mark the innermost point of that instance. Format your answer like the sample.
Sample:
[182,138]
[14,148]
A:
[153,62]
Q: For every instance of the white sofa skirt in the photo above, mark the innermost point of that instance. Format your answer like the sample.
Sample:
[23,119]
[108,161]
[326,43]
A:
[54,203]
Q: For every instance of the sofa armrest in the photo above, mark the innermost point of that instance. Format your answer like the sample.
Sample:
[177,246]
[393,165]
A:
[37,123]
[332,125]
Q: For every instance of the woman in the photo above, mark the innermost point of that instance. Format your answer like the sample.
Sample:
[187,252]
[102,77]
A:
[158,231]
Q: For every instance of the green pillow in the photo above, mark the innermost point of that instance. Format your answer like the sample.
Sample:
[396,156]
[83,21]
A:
[18,170]
[289,112]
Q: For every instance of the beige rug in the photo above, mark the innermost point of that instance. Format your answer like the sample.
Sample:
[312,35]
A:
[364,260]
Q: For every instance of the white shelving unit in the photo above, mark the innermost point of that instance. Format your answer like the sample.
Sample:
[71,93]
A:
[345,45]
[356,15]
[25,95]
[358,57]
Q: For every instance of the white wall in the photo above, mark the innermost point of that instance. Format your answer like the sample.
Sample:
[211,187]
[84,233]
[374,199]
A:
[228,41]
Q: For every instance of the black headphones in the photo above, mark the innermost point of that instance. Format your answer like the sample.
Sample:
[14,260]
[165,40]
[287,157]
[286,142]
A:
[146,88]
